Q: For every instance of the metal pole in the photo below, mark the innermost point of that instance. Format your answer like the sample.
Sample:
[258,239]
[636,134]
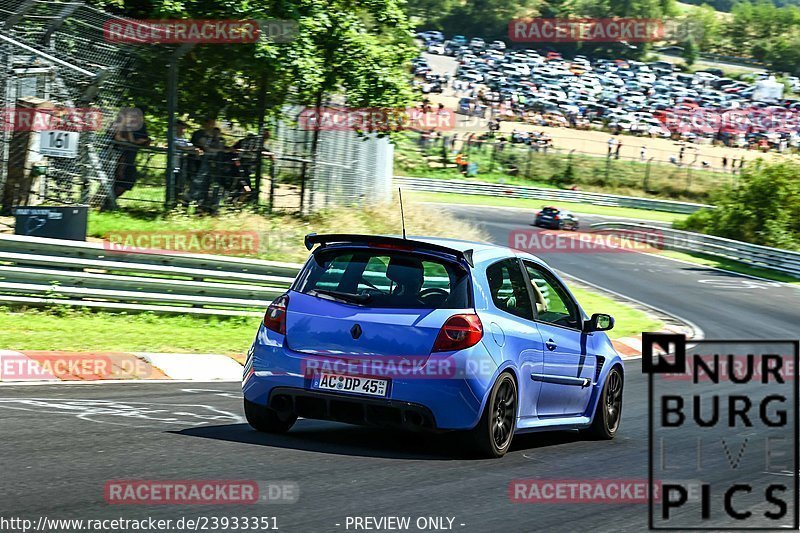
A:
[172,104]
[170,199]
[46,56]
[262,110]
[303,178]
[272,174]
[8,94]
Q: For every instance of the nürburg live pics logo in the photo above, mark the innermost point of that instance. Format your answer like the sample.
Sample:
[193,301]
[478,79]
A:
[723,433]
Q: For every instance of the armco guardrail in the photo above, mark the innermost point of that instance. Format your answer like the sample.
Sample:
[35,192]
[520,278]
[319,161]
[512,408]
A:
[538,193]
[40,272]
[761,256]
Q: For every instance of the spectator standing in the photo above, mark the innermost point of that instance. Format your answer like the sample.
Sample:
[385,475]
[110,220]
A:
[462,163]
[200,164]
[183,149]
[643,153]
[619,147]
[129,134]
[250,149]
[221,170]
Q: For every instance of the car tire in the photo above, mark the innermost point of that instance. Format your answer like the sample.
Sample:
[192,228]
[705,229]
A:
[262,418]
[492,436]
[608,413]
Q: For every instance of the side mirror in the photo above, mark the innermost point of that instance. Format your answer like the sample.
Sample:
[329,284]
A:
[598,322]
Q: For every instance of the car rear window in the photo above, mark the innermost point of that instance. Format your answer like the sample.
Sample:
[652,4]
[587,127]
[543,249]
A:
[550,211]
[386,279]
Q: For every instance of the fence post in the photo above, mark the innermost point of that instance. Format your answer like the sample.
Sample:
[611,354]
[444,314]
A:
[303,180]
[172,106]
[172,96]
[262,109]
[272,174]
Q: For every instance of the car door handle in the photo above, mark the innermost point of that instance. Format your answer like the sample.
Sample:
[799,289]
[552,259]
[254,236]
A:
[551,345]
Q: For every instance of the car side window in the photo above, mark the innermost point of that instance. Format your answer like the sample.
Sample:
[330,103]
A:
[554,305]
[507,288]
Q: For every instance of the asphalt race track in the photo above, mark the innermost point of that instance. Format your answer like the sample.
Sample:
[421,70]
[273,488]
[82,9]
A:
[723,304]
[61,444]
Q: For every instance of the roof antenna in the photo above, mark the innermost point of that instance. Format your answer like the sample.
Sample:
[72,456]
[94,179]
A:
[402,214]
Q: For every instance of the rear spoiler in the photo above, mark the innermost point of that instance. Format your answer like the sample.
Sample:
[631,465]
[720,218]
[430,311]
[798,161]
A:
[323,240]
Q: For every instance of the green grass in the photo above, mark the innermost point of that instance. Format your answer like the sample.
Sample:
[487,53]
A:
[729,264]
[628,320]
[519,165]
[588,209]
[84,330]
[101,224]
[60,328]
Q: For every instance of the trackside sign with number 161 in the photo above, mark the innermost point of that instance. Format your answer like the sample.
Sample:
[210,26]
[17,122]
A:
[59,144]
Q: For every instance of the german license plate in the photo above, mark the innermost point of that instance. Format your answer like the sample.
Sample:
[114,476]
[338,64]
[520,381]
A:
[353,384]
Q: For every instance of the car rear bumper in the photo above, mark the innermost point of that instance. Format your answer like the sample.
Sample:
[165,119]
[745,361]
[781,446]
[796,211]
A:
[552,224]
[418,401]
[351,410]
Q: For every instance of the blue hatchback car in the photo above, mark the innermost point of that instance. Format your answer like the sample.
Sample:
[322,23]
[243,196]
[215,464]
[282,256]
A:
[432,334]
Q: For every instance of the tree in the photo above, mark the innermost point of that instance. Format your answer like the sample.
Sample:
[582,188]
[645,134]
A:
[358,48]
[764,209]
[703,24]
[690,52]
[484,18]
[784,54]
[428,12]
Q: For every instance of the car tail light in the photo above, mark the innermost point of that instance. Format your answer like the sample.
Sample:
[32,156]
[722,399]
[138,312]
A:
[458,333]
[555,217]
[538,213]
[275,317]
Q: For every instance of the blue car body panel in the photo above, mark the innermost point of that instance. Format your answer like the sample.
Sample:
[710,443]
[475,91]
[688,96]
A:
[558,388]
